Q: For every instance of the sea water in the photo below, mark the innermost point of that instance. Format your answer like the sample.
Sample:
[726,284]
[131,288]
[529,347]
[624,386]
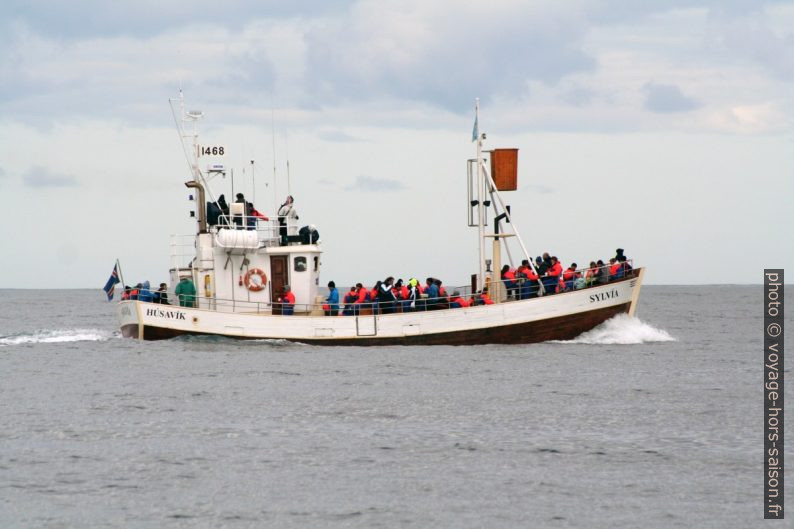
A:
[651,422]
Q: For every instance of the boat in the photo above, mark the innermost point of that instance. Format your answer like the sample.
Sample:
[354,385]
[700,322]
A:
[240,265]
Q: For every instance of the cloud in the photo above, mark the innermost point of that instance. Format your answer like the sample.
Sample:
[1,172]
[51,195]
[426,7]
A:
[667,98]
[38,176]
[752,37]
[371,183]
[539,188]
[325,182]
[146,18]
[445,56]
[337,136]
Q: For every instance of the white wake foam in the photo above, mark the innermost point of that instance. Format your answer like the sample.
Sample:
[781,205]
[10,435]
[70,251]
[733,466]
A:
[57,336]
[622,329]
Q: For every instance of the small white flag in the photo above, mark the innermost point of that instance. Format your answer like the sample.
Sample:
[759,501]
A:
[475,132]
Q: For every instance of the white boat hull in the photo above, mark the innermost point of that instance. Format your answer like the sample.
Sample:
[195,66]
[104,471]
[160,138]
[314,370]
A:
[557,317]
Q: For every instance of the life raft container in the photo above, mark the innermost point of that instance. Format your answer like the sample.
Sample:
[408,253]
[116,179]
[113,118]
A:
[255,286]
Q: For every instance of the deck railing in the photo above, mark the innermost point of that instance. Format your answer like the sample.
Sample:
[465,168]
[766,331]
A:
[524,289]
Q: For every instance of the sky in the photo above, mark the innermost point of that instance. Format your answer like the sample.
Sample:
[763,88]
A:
[664,128]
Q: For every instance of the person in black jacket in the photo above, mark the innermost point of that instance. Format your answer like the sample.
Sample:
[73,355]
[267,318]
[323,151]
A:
[386,297]
[161,295]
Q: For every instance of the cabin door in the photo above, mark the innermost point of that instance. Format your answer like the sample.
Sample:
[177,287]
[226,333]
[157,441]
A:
[278,278]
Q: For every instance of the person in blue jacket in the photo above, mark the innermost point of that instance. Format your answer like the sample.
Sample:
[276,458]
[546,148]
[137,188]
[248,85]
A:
[146,294]
[332,301]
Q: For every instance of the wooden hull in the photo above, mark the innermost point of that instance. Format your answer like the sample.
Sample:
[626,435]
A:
[558,317]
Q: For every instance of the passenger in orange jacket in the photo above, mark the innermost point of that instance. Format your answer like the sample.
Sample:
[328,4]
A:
[556,268]
[442,293]
[614,266]
[349,299]
[524,270]
[529,287]
[570,275]
[457,302]
[287,301]
[509,281]
[363,294]
[552,277]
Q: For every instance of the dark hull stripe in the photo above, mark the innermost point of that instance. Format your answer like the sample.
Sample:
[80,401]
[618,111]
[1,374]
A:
[559,328]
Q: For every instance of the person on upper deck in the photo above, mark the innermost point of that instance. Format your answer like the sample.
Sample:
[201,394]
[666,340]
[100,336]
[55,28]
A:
[251,214]
[286,215]
[126,294]
[186,292]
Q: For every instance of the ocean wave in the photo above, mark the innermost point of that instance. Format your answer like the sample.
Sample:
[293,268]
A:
[57,336]
[624,330]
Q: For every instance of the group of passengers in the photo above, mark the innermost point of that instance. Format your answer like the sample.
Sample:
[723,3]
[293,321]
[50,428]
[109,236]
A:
[525,281]
[389,296]
[143,292]
[185,292]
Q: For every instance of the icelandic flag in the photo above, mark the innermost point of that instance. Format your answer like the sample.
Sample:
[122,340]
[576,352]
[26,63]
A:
[110,286]
[475,132]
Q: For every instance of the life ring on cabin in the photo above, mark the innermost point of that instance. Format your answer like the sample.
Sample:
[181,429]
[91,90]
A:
[254,286]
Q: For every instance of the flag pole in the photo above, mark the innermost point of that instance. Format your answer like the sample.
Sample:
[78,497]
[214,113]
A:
[121,276]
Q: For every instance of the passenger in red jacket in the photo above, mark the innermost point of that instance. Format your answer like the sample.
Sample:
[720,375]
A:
[556,268]
[570,275]
[552,276]
[457,302]
[349,299]
[362,294]
[287,301]
[509,281]
[614,266]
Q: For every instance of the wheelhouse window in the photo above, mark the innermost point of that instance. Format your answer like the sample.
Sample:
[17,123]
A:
[316,263]
[300,264]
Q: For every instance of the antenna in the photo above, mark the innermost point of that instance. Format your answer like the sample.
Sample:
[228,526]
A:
[273,135]
[253,184]
[286,148]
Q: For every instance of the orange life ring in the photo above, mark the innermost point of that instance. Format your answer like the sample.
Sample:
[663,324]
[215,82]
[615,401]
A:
[253,286]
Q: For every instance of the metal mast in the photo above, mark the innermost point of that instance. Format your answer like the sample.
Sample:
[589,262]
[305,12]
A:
[480,195]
